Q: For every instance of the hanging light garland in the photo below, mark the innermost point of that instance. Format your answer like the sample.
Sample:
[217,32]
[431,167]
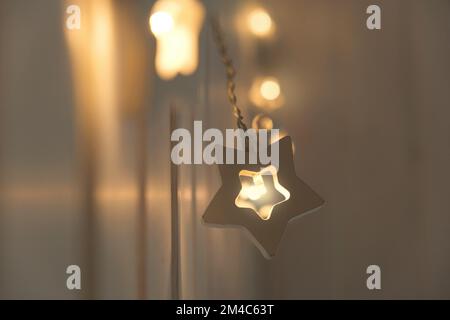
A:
[259,198]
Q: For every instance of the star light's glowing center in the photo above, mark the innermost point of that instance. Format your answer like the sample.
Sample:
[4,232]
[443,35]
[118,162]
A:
[261,191]
[253,191]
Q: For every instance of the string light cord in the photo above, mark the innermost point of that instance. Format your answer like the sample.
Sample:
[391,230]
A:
[230,71]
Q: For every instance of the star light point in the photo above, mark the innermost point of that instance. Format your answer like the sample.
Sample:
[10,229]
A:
[266,233]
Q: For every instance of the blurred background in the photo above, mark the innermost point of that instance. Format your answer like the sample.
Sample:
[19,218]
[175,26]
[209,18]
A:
[85,171]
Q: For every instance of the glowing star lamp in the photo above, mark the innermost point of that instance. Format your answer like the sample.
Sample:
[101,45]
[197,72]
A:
[261,191]
[176,25]
[261,200]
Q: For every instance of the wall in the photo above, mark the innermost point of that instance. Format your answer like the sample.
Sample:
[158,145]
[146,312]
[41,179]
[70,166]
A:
[366,110]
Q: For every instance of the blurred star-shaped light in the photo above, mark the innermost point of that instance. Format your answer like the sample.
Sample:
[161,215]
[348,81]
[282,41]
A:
[261,191]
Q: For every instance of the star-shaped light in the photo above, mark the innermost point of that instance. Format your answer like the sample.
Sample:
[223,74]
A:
[265,228]
[261,191]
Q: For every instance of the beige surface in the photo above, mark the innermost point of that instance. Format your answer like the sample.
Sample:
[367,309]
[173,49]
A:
[367,111]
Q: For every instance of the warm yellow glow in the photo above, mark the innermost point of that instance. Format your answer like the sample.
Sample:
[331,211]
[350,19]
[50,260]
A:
[262,121]
[95,69]
[161,22]
[270,89]
[260,22]
[266,93]
[254,190]
[261,191]
[176,25]
[95,72]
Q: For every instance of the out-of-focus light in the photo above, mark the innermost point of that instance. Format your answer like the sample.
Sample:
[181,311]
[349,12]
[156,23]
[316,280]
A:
[161,22]
[270,89]
[266,93]
[176,25]
[262,121]
[260,22]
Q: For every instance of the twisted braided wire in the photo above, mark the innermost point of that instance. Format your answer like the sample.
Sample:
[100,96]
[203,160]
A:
[230,72]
